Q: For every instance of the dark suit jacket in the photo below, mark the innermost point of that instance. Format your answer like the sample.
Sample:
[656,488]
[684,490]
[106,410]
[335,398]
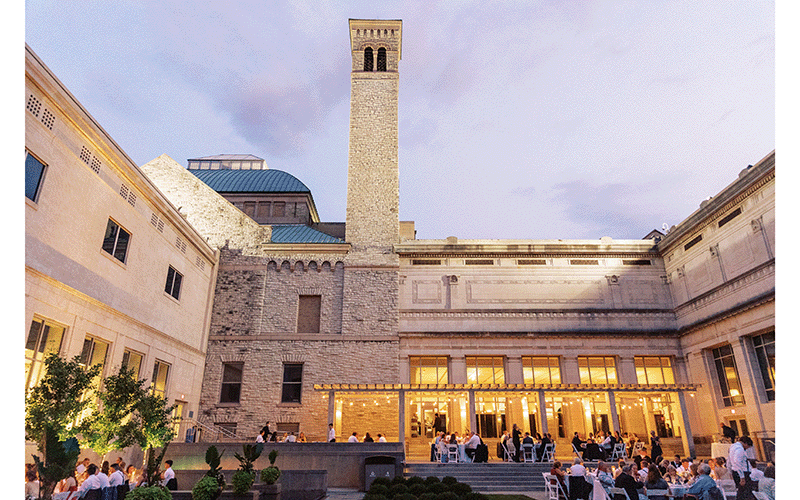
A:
[629,484]
[527,440]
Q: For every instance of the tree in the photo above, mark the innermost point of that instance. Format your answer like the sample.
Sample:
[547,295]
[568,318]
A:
[153,430]
[51,408]
[114,427]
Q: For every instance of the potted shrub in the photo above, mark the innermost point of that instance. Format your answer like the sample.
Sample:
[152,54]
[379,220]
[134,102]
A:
[210,486]
[244,478]
[270,489]
[156,492]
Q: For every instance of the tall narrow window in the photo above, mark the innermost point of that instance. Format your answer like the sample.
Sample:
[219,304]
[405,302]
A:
[485,370]
[94,353]
[132,360]
[597,369]
[381,59]
[428,369]
[292,383]
[173,286]
[115,241]
[44,338]
[542,370]
[308,312]
[34,171]
[728,376]
[368,59]
[160,376]
[231,382]
[764,345]
[654,370]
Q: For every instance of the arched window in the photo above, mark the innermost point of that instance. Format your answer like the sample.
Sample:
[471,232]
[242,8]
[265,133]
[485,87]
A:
[368,59]
[381,59]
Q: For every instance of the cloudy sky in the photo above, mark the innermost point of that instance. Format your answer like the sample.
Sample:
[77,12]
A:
[518,120]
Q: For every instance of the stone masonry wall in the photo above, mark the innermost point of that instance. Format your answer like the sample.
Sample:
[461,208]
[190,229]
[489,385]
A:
[214,217]
[370,302]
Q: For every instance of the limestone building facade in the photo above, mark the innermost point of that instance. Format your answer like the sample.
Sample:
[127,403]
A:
[113,271]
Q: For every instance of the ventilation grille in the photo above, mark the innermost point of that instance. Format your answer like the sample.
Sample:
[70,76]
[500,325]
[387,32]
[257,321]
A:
[531,262]
[48,119]
[95,165]
[199,262]
[637,262]
[479,262]
[697,239]
[584,262]
[34,105]
[729,217]
[128,194]
[426,262]
[85,155]
[157,223]
[180,244]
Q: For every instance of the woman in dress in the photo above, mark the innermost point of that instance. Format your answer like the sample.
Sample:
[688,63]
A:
[655,482]
[560,475]
[368,438]
[671,475]
[720,471]
[301,438]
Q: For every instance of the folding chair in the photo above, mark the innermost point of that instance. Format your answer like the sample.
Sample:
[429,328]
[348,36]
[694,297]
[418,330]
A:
[452,453]
[613,492]
[508,451]
[527,453]
[636,447]
[619,452]
[727,487]
[549,452]
[760,495]
[557,489]
[577,452]
[657,493]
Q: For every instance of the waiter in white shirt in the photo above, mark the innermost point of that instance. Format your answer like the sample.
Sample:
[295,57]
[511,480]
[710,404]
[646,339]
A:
[740,467]
[331,434]
[167,475]
[91,482]
[117,477]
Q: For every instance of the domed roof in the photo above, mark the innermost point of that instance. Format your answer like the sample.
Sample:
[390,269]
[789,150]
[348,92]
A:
[251,181]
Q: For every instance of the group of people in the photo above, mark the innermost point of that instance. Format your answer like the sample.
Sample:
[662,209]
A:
[471,442]
[268,434]
[88,476]
[699,477]
[513,442]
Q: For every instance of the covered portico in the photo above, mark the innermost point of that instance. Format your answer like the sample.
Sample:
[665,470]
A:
[413,413]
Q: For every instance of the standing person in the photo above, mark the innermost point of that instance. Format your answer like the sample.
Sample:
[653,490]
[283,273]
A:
[331,434]
[102,476]
[516,437]
[168,477]
[728,432]
[740,468]
[655,447]
[437,422]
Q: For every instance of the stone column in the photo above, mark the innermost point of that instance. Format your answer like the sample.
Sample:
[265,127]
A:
[473,421]
[626,371]
[688,439]
[331,411]
[401,412]
[612,407]
[514,370]
[458,370]
[571,375]
[542,412]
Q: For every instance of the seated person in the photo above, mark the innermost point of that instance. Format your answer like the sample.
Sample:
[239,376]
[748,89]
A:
[578,443]
[604,475]
[655,482]
[92,482]
[527,439]
[766,484]
[593,451]
[560,475]
[627,481]
[579,484]
[720,471]
[703,483]
[471,445]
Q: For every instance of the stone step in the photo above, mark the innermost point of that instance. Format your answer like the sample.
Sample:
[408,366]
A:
[486,477]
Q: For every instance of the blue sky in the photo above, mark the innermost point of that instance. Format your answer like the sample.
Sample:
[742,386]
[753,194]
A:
[518,120]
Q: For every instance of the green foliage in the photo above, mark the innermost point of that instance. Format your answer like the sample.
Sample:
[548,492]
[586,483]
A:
[397,489]
[242,481]
[115,427]
[475,496]
[398,480]
[417,489]
[437,488]
[460,489]
[152,463]
[382,480]
[374,496]
[250,453]
[272,456]
[447,495]
[58,399]
[378,489]
[270,475]
[156,492]
[431,479]
[206,488]
[428,496]
[59,459]
[414,480]
[213,458]
[449,480]
[405,496]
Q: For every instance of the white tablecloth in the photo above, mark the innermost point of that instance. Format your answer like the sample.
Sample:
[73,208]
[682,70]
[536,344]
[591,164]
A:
[597,487]
[720,450]
[678,490]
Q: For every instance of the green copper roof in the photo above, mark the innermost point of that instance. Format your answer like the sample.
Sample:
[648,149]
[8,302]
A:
[251,181]
[299,233]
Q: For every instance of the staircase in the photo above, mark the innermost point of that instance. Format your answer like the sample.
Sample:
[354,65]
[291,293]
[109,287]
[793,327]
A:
[486,477]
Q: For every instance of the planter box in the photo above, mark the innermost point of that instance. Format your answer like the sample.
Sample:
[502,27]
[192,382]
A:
[226,495]
[268,491]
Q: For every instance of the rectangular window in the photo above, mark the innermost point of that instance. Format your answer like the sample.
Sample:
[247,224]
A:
[654,370]
[308,312]
[728,376]
[542,370]
[116,240]
[279,209]
[174,279]
[250,208]
[94,353]
[597,369]
[160,376]
[133,361]
[428,369]
[231,382]
[263,209]
[44,338]
[34,172]
[764,345]
[292,383]
[485,370]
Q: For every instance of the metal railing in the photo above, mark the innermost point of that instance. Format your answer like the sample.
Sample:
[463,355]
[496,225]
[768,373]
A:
[206,431]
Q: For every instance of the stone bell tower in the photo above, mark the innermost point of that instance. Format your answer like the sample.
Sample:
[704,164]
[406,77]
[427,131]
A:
[373,186]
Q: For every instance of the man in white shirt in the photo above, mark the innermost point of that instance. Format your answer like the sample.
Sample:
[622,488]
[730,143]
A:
[291,438]
[471,445]
[684,467]
[91,482]
[577,468]
[382,439]
[117,477]
[167,475]
[353,438]
[740,467]
[331,434]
